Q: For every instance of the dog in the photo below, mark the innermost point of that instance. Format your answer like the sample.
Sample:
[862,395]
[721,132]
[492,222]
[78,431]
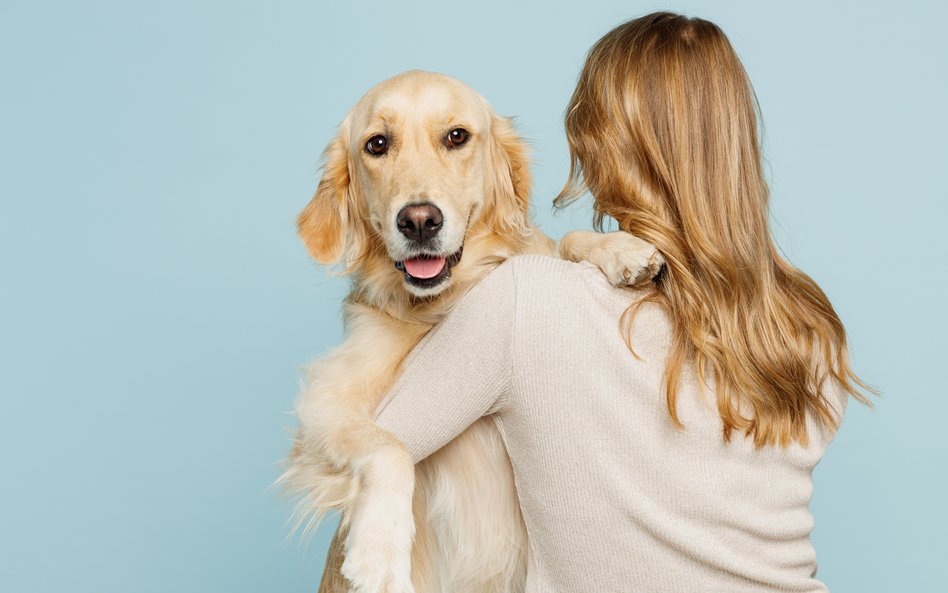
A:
[424,191]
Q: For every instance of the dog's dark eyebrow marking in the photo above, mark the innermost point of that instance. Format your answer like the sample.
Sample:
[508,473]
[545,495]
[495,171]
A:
[451,123]
[385,116]
[375,130]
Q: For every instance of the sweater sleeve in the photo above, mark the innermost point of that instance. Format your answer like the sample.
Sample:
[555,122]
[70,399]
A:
[459,372]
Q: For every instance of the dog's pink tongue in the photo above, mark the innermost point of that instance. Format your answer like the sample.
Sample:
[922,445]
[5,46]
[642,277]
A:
[424,267]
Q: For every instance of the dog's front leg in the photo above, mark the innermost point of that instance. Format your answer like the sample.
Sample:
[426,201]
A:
[343,460]
[373,488]
[381,525]
[624,258]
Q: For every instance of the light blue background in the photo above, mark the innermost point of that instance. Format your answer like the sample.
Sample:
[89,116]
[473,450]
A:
[157,306]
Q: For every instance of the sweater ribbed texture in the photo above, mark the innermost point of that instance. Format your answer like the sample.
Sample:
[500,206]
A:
[615,499]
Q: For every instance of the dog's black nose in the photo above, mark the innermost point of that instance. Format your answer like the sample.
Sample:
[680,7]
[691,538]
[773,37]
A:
[419,222]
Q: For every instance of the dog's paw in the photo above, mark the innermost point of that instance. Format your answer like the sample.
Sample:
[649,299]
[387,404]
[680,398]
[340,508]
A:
[375,564]
[365,577]
[627,260]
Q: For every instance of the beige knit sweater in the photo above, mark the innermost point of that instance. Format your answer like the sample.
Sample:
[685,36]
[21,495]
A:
[615,499]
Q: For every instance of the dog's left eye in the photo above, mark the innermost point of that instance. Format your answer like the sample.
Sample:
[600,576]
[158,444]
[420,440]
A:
[457,137]
[377,145]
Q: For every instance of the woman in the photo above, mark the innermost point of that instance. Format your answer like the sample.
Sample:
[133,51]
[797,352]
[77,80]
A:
[661,440]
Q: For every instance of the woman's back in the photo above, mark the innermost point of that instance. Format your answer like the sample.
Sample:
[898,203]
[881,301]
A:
[615,498]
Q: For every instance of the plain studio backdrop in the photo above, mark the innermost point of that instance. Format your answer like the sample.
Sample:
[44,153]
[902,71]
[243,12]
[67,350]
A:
[156,306]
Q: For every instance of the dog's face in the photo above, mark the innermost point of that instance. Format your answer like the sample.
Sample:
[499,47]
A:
[418,161]
[419,147]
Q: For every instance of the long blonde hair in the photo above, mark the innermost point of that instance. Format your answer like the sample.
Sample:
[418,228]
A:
[662,130]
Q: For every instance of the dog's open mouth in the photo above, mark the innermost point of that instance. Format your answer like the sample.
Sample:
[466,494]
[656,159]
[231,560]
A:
[428,271]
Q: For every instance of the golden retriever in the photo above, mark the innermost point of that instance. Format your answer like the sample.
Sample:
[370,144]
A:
[423,192]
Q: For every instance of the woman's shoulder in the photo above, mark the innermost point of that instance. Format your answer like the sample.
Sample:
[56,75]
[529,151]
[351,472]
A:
[548,287]
[542,274]
[538,279]
[528,276]
[535,280]
[546,284]
[545,269]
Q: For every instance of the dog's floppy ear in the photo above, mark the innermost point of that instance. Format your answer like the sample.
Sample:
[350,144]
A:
[510,212]
[322,225]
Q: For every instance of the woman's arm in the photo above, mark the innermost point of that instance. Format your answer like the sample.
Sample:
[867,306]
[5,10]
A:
[459,372]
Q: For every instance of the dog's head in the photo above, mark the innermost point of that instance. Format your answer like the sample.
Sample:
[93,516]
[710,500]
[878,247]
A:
[419,162]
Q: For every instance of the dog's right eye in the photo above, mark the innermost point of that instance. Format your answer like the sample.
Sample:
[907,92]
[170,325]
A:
[457,137]
[377,145]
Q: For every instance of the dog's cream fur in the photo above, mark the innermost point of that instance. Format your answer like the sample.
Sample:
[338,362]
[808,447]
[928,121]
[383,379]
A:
[452,523]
